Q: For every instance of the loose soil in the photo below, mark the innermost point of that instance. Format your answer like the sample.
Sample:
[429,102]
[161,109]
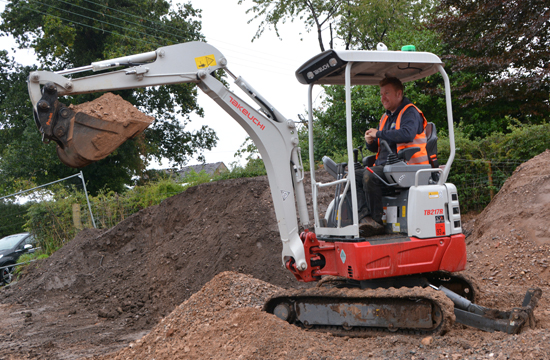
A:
[186,280]
[113,108]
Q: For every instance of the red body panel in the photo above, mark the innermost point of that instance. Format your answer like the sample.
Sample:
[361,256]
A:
[365,261]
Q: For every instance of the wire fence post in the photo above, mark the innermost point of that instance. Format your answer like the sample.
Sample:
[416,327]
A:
[81,176]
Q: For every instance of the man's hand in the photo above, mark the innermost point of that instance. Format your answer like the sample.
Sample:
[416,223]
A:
[370,135]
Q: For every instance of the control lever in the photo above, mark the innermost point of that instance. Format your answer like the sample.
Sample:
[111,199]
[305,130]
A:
[356,163]
[360,147]
[392,158]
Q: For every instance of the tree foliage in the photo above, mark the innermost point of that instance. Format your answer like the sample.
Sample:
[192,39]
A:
[364,24]
[503,48]
[12,217]
[315,14]
[351,24]
[72,33]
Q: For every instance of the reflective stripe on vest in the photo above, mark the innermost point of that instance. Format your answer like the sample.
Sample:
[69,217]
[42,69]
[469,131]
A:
[421,156]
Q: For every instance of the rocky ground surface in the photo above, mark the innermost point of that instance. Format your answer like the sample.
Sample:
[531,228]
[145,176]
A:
[187,279]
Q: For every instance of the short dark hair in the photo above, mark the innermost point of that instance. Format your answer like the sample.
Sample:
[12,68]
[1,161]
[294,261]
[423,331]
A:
[395,82]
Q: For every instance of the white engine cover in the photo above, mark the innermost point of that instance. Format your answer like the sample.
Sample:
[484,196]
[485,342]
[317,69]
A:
[433,211]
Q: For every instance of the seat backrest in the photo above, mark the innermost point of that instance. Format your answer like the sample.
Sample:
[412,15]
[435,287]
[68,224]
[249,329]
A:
[369,160]
[431,139]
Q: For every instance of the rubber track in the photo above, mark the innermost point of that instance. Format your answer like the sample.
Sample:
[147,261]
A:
[437,297]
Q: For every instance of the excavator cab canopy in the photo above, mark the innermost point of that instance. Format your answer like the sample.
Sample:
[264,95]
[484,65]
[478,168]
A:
[355,67]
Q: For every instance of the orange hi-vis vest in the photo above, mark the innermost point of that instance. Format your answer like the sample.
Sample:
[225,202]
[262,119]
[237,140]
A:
[420,157]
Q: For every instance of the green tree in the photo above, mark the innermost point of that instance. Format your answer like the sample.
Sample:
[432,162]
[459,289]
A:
[72,33]
[362,24]
[12,217]
[352,24]
[315,14]
[501,52]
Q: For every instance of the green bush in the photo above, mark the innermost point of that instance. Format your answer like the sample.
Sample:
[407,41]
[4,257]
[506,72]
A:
[28,258]
[52,221]
[254,167]
[481,166]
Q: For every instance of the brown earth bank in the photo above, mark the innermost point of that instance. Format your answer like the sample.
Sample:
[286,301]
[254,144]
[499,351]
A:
[186,280]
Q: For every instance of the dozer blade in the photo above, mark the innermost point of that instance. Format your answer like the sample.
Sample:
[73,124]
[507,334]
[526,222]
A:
[81,138]
[490,320]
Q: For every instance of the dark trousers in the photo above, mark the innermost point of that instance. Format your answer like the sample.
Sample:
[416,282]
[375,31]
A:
[369,193]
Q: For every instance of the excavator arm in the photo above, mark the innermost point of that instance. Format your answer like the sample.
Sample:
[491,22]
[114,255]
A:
[83,139]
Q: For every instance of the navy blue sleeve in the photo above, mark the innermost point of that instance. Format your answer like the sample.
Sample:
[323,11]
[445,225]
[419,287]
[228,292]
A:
[411,124]
[373,147]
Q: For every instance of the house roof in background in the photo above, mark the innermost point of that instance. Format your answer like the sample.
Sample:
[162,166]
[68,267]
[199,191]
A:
[210,168]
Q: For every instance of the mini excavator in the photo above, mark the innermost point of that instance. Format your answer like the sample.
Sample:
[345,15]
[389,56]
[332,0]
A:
[406,280]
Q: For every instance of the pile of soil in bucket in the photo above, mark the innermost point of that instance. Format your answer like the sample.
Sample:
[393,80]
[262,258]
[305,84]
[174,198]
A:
[113,108]
[186,280]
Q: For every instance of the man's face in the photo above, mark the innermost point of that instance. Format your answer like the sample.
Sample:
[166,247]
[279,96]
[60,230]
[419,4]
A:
[390,97]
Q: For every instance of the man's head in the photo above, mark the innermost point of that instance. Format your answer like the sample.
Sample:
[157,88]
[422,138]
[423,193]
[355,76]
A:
[391,93]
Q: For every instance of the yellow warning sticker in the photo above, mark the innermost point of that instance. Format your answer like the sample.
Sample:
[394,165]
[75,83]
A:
[205,61]
[403,211]
[396,227]
[433,195]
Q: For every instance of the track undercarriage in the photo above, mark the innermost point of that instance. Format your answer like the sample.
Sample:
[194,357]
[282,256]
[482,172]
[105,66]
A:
[352,308]
[361,312]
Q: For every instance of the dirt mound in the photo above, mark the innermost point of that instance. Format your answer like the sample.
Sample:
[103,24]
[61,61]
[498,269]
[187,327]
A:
[124,280]
[148,264]
[522,205]
[224,321]
[509,242]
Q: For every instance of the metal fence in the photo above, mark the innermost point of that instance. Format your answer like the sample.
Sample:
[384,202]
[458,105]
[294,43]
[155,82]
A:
[478,181]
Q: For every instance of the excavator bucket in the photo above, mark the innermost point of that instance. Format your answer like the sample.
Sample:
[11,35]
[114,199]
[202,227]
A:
[88,132]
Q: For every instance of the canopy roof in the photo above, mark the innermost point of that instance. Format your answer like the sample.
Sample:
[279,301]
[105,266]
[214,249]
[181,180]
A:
[369,67]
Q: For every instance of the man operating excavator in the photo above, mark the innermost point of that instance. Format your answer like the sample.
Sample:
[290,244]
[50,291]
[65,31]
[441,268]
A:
[401,126]
[402,282]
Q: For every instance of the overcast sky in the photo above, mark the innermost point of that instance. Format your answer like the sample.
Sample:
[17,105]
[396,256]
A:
[268,64]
